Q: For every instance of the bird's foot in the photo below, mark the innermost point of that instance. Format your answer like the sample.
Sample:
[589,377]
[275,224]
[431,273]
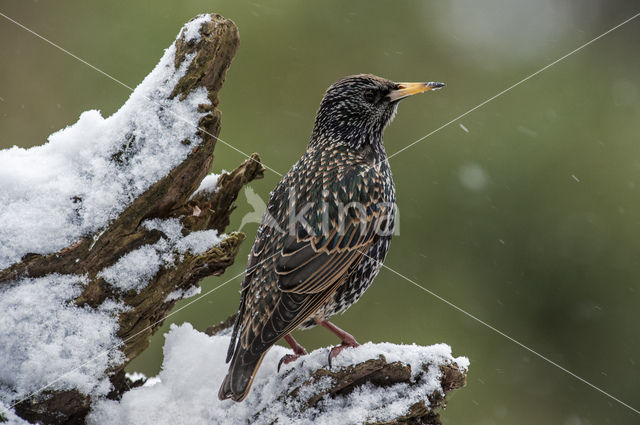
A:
[298,351]
[288,358]
[347,339]
[349,343]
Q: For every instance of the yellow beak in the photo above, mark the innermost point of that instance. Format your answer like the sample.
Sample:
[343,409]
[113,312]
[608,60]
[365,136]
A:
[408,89]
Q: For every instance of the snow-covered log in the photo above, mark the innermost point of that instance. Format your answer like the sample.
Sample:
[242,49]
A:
[373,384]
[107,225]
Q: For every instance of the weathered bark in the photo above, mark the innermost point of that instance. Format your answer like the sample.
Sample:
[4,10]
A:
[380,373]
[169,197]
[377,372]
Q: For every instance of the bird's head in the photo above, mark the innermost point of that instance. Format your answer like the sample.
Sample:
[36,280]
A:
[357,109]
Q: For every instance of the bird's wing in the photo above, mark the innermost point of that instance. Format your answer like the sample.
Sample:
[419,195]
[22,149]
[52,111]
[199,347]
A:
[290,274]
[316,263]
[343,220]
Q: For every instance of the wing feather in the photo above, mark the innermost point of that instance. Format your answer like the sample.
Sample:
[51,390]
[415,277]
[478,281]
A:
[291,275]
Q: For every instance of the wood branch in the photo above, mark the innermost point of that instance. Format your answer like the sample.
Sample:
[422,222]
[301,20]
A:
[378,373]
[169,197]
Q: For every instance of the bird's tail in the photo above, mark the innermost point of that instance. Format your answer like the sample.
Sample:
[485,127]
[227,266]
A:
[240,376]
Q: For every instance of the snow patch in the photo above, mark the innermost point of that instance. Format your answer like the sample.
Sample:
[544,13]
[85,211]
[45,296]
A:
[179,294]
[45,338]
[136,376]
[170,227]
[9,416]
[208,185]
[192,29]
[198,242]
[187,388]
[135,270]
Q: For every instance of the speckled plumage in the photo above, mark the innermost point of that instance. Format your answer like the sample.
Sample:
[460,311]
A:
[326,230]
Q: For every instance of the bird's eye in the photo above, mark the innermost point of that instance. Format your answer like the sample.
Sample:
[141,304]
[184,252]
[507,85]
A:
[370,96]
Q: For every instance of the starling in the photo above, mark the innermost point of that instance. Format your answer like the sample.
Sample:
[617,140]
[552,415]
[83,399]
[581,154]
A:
[326,230]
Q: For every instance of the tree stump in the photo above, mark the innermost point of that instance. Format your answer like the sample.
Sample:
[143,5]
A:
[173,196]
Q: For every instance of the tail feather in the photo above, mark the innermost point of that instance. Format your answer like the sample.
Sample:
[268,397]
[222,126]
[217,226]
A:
[240,376]
[234,335]
[291,310]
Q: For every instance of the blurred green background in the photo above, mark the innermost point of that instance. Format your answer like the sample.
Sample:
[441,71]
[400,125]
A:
[530,220]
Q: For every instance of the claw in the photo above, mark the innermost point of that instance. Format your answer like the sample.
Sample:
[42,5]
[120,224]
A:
[347,339]
[280,363]
[338,349]
[298,350]
[287,358]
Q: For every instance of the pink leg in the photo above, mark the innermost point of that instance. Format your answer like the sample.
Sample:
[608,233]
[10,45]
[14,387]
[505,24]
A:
[298,350]
[295,345]
[347,339]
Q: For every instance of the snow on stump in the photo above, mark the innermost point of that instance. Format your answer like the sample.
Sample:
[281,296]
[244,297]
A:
[107,225]
[373,384]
